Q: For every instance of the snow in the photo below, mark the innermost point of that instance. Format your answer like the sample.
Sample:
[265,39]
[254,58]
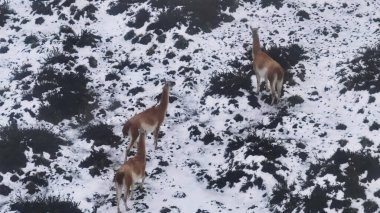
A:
[226,42]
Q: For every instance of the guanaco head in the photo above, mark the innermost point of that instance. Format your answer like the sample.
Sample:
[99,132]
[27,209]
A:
[169,84]
[254,30]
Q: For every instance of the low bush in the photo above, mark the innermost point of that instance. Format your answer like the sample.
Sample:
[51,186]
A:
[53,204]
[66,95]
[85,38]
[229,84]
[101,134]
[96,162]
[5,12]
[366,71]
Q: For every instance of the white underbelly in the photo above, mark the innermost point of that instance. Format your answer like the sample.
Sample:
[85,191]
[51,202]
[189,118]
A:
[262,72]
[148,128]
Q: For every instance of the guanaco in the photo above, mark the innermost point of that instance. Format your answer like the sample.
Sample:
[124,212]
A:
[267,68]
[150,119]
[131,171]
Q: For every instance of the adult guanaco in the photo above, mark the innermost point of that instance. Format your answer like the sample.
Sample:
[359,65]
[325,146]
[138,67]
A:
[267,68]
[150,119]
[131,171]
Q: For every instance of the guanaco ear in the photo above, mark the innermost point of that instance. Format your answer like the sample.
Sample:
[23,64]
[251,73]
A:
[251,28]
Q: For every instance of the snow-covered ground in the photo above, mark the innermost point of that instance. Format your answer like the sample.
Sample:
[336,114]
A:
[183,175]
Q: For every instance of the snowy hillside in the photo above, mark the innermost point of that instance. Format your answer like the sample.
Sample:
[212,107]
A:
[73,71]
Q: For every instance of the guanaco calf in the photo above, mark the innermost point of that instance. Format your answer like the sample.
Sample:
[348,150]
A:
[131,171]
[267,68]
[150,119]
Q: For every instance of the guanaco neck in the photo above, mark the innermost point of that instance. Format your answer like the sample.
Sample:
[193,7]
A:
[256,44]
[141,147]
[164,99]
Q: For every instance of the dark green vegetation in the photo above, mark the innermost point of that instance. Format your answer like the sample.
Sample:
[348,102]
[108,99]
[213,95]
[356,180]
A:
[52,204]
[366,71]
[15,141]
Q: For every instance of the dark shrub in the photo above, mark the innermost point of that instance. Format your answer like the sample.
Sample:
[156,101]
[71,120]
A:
[197,15]
[42,8]
[294,100]
[31,39]
[276,3]
[42,140]
[374,126]
[5,190]
[4,49]
[39,20]
[87,11]
[287,57]
[303,15]
[112,76]
[92,62]
[22,73]
[167,20]
[231,176]
[129,35]
[135,90]
[97,162]
[126,63]
[5,12]
[57,57]
[341,127]
[370,206]
[229,84]
[181,42]
[70,97]
[366,71]
[210,137]
[101,134]
[365,142]
[86,38]
[141,17]
[266,147]
[120,6]
[15,141]
[52,204]
[317,200]
[12,148]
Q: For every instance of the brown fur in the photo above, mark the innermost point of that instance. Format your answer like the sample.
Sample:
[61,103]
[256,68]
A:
[131,171]
[274,72]
[152,117]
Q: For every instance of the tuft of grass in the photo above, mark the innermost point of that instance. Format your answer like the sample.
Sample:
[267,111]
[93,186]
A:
[87,11]
[5,12]
[14,141]
[294,100]
[12,149]
[229,84]
[58,57]
[42,8]
[266,147]
[141,17]
[197,15]
[101,134]
[22,73]
[85,38]
[120,6]
[65,95]
[97,162]
[366,71]
[52,204]
[231,177]
[276,3]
